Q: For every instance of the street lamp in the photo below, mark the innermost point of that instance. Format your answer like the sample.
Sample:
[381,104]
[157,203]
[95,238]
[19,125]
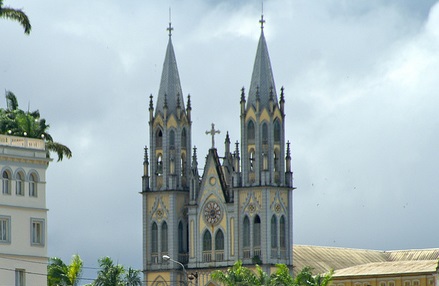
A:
[167,258]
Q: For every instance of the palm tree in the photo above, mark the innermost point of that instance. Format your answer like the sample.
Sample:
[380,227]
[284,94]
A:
[110,274]
[306,278]
[237,275]
[60,274]
[282,277]
[132,277]
[14,121]
[16,15]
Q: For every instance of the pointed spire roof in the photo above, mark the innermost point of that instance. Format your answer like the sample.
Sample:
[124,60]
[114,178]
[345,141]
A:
[170,88]
[262,82]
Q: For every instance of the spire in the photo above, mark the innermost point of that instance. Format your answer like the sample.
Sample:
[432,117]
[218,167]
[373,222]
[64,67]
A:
[170,81]
[194,159]
[262,77]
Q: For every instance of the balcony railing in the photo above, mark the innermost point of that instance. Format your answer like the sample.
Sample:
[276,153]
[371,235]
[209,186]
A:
[219,256]
[207,256]
[22,142]
[246,253]
[257,252]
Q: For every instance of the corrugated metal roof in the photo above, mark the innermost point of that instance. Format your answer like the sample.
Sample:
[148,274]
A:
[322,259]
[389,268]
[351,260]
[413,254]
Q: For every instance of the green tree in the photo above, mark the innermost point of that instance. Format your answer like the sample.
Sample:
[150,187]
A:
[110,274]
[16,15]
[282,276]
[60,274]
[306,278]
[132,277]
[237,275]
[14,121]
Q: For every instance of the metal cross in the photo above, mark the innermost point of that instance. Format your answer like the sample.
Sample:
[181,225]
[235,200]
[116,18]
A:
[262,21]
[213,132]
[170,29]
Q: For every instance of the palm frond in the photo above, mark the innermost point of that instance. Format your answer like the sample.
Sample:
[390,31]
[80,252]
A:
[17,15]
[60,149]
[11,101]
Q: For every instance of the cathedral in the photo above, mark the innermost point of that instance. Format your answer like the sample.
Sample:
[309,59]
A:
[239,207]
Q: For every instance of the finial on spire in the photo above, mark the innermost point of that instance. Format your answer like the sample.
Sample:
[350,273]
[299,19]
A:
[189,102]
[170,29]
[262,21]
[145,159]
[151,106]
[165,104]
[178,100]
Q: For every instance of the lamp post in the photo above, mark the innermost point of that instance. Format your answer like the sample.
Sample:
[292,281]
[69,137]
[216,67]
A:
[167,258]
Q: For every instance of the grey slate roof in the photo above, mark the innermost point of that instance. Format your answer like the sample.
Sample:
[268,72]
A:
[262,76]
[169,83]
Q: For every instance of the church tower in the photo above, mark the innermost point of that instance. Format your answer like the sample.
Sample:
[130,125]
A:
[265,182]
[239,208]
[166,177]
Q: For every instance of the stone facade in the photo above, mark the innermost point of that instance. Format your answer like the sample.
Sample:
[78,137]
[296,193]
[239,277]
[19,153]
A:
[23,212]
[240,207]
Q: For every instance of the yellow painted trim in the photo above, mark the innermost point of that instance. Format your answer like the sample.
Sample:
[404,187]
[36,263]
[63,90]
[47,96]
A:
[172,122]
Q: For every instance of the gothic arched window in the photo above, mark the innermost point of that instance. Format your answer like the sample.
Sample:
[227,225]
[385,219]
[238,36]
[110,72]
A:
[183,138]
[164,237]
[276,160]
[246,232]
[273,232]
[183,164]
[159,138]
[219,246]
[251,130]
[276,131]
[282,236]
[252,159]
[159,165]
[219,240]
[33,192]
[180,238]
[172,139]
[6,183]
[207,241]
[264,133]
[19,187]
[257,232]
[154,238]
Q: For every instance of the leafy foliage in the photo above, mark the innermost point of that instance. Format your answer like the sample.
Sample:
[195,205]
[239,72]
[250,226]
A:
[243,276]
[15,15]
[16,122]
[237,275]
[60,274]
[111,274]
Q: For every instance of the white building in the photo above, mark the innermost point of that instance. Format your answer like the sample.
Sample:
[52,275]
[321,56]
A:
[23,212]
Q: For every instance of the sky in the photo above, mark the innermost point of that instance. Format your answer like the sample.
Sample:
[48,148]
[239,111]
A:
[361,90]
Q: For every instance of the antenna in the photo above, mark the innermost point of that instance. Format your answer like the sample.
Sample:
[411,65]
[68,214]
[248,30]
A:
[262,21]
[170,29]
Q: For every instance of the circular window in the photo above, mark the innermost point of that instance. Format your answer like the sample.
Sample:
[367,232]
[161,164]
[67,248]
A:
[212,212]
